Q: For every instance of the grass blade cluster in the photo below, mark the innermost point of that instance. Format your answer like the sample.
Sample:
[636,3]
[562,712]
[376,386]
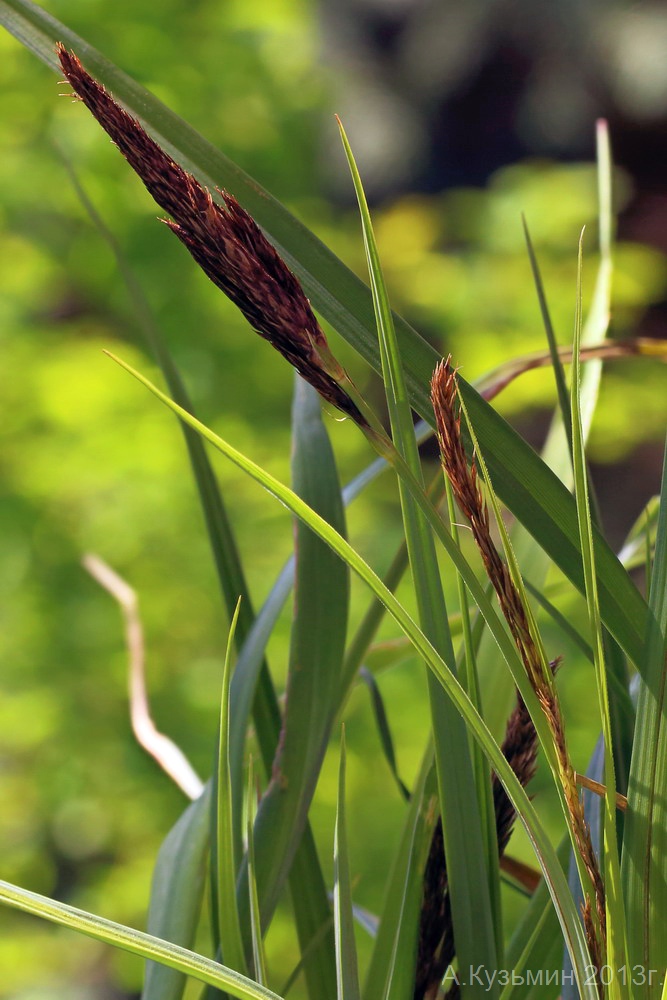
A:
[561,896]
[644,868]
[521,479]
[443,909]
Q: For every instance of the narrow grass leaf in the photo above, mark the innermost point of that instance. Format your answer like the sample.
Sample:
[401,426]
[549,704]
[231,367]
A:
[311,906]
[346,949]
[176,894]
[316,653]
[312,909]
[561,896]
[313,919]
[641,538]
[594,330]
[535,950]
[616,956]
[469,653]
[306,954]
[559,374]
[382,723]
[463,836]
[244,683]
[538,972]
[391,972]
[136,942]
[560,619]
[532,555]
[521,479]
[597,321]
[574,635]
[645,838]
[593,812]
[359,647]
[258,956]
[225,864]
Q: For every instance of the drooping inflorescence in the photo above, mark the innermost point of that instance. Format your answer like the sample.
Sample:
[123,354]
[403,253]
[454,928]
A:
[226,242]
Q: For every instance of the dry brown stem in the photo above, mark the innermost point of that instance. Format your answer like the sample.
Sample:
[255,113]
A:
[169,756]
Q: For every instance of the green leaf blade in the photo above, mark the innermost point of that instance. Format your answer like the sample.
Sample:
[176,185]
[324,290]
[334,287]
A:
[391,972]
[346,949]
[318,637]
[224,869]
[259,958]
[616,931]
[176,895]
[136,942]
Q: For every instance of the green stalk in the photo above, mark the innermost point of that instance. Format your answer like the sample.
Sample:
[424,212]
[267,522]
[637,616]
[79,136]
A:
[464,841]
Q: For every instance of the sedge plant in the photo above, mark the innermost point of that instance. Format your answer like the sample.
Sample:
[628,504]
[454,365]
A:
[245,843]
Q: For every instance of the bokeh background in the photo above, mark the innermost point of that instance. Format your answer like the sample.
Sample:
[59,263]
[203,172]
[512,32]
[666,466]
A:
[462,117]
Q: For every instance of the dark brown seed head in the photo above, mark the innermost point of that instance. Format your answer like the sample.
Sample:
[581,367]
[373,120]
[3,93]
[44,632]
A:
[225,241]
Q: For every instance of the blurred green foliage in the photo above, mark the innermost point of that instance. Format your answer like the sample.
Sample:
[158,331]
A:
[89,462]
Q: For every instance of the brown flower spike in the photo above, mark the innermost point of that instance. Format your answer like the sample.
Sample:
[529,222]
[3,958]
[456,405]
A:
[226,242]
[466,488]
